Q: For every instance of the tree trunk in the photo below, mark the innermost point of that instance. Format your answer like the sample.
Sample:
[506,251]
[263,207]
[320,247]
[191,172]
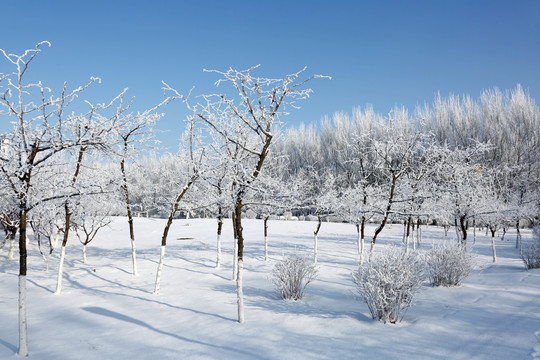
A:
[11,252]
[474,230]
[493,244]
[463,227]
[418,233]
[518,237]
[67,224]
[266,238]
[235,250]
[218,245]
[362,236]
[84,253]
[129,214]
[408,235]
[240,263]
[64,243]
[386,214]
[23,334]
[240,291]
[159,270]
[60,270]
[316,233]
[166,233]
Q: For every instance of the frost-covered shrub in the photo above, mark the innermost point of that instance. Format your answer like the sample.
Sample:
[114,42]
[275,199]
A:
[388,283]
[291,275]
[531,253]
[448,264]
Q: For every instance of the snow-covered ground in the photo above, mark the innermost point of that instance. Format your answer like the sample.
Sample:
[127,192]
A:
[104,312]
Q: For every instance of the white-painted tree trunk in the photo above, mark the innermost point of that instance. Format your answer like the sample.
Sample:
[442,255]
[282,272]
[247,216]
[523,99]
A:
[84,254]
[240,291]
[315,246]
[358,246]
[407,239]
[266,248]
[371,251]
[23,334]
[235,260]
[361,248]
[11,249]
[134,257]
[493,248]
[159,270]
[218,259]
[60,271]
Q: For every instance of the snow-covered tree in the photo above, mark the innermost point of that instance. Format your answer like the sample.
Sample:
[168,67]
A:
[246,118]
[43,129]
[135,130]
[192,159]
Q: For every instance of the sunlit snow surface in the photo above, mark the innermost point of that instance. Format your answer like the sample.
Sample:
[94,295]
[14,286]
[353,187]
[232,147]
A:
[104,312]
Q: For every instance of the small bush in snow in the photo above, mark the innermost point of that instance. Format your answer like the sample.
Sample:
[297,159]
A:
[448,264]
[388,283]
[291,275]
[531,254]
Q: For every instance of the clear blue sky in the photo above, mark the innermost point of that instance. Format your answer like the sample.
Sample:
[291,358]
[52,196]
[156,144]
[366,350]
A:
[383,53]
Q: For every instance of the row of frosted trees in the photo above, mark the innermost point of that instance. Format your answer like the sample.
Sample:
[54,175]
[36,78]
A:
[461,162]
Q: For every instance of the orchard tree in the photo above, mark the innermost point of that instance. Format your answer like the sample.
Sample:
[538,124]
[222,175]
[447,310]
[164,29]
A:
[42,129]
[134,130]
[246,118]
[396,146]
[192,162]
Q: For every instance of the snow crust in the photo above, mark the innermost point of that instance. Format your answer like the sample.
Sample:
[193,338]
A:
[104,312]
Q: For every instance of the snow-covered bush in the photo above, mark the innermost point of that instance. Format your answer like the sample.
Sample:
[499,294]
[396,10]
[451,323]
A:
[292,274]
[388,283]
[448,264]
[531,253]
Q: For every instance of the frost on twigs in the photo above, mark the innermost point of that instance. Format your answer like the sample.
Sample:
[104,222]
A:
[531,254]
[448,264]
[388,283]
[291,275]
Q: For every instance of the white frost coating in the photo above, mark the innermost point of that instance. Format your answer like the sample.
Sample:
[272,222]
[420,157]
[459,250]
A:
[11,249]
[134,258]
[84,254]
[159,269]
[218,259]
[23,335]
[60,271]
[266,248]
[240,291]
[235,260]
[315,250]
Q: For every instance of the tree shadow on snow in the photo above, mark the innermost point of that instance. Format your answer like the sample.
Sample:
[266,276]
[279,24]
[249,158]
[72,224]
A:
[8,345]
[121,317]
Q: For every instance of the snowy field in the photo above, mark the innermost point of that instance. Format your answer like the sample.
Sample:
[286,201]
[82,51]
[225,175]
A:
[105,312]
